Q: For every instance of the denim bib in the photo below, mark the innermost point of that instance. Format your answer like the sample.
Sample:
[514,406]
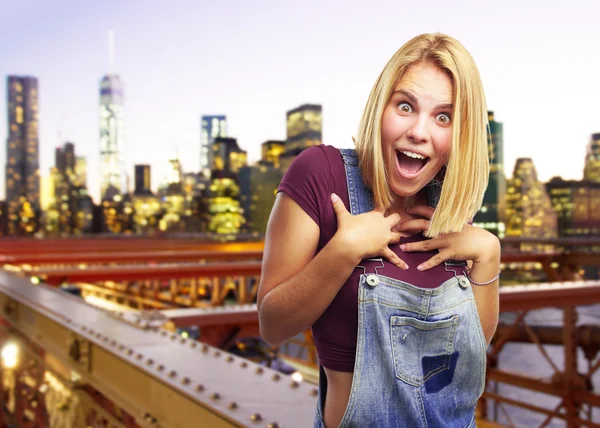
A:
[420,353]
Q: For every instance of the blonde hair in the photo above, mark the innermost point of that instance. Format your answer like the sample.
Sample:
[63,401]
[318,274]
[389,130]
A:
[465,177]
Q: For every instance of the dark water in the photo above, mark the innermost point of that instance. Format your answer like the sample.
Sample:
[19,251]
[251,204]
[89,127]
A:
[527,359]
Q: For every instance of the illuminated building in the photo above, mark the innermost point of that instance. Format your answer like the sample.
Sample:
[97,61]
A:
[196,193]
[304,129]
[80,171]
[258,186]
[66,191]
[227,155]
[145,205]
[84,213]
[591,171]
[529,211]
[112,137]
[211,127]
[577,205]
[22,155]
[489,216]
[173,200]
[46,192]
[226,214]
[272,151]
[142,180]
[3,218]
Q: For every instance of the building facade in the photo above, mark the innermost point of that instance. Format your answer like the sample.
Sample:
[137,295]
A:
[211,127]
[112,137]
[22,156]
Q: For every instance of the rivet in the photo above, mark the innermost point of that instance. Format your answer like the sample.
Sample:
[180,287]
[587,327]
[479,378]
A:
[121,347]
[172,373]
[91,332]
[276,377]
[185,381]
[84,328]
[149,361]
[273,425]
[294,384]
[130,352]
[113,342]
[229,359]
[160,367]
[215,396]
[199,388]
[139,356]
[233,405]
[164,333]
[372,280]
[217,353]
[105,339]
[244,364]
[314,392]
[256,417]
[173,337]
[193,344]
[259,370]
[205,348]
[183,341]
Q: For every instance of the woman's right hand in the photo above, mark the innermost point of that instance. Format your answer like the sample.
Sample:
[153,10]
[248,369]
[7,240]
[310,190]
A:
[368,234]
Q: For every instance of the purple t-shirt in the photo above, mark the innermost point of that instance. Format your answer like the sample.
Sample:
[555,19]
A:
[316,173]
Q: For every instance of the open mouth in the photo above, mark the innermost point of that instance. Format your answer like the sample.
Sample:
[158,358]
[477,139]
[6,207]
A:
[410,164]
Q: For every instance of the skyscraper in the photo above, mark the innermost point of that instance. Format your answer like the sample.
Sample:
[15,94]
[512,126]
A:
[112,137]
[227,155]
[211,127]
[529,212]
[142,180]
[591,171]
[22,159]
[490,215]
[304,129]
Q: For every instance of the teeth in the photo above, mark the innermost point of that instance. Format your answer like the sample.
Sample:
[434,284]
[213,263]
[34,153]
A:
[412,155]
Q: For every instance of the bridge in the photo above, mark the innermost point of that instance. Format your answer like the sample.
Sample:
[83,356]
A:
[100,329]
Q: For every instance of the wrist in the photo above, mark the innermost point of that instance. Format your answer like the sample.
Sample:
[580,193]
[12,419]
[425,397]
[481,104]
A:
[344,250]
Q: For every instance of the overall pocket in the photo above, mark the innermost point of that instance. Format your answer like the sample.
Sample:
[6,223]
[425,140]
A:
[421,349]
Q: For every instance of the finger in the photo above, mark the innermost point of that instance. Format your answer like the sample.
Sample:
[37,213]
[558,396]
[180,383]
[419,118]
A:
[395,238]
[393,219]
[415,224]
[422,210]
[425,245]
[338,206]
[393,258]
[440,257]
[379,209]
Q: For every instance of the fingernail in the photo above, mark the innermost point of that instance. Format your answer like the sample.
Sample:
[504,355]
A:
[334,198]
[403,247]
[420,267]
[406,266]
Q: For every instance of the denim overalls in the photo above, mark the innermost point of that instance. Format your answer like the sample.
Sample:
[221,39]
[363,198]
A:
[420,353]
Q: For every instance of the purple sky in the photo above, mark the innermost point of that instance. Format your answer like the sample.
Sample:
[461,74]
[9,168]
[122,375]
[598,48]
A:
[254,60]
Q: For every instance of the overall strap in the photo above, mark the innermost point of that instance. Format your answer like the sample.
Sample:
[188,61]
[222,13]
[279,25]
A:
[361,198]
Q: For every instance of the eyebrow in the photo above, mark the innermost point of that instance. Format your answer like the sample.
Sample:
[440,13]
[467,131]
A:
[412,97]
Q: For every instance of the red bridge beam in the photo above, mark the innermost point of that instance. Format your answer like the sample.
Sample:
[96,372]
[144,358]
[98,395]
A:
[141,257]
[133,272]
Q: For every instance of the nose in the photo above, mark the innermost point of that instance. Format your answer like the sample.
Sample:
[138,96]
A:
[418,132]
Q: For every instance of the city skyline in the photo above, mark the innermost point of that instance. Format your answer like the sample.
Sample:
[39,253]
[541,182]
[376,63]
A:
[253,63]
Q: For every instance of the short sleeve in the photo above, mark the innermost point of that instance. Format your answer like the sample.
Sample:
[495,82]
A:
[307,181]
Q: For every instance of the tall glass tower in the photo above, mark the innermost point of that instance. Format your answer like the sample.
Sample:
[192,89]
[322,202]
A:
[112,137]
[211,128]
[490,216]
[22,155]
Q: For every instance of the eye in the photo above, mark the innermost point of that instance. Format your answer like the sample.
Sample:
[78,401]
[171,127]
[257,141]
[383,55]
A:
[444,118]
[405,107]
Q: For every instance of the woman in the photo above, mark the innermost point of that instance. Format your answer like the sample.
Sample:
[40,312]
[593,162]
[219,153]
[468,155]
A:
[365,245]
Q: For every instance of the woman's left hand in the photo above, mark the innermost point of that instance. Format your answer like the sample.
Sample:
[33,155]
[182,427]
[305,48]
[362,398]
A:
[472,243]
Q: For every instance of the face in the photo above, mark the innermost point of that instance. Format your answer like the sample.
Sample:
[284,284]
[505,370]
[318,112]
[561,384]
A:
[416,129]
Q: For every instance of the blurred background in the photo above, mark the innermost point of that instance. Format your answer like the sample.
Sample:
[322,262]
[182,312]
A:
[144,142]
